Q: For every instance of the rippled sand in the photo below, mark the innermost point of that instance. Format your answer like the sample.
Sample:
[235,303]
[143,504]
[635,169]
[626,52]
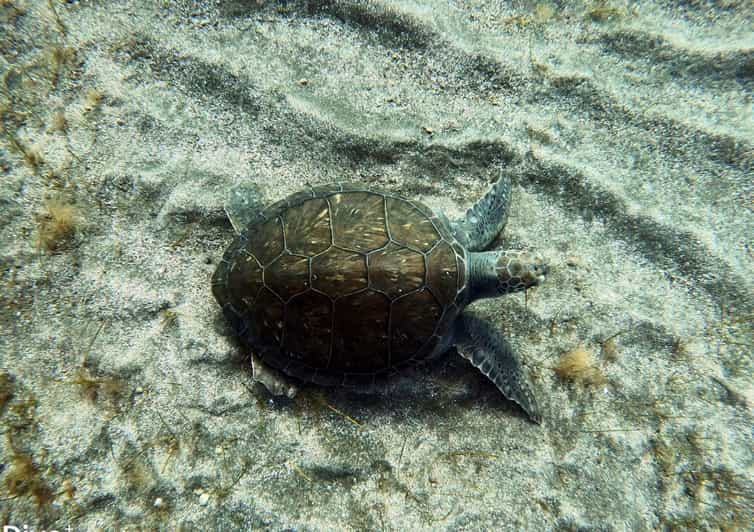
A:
[627,129]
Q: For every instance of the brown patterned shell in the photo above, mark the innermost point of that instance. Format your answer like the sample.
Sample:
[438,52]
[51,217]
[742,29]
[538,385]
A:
[342,284]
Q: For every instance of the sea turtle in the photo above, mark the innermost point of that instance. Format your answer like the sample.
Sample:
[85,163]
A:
[345,284]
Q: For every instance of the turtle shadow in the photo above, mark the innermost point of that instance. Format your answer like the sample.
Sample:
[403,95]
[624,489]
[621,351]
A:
[447,388]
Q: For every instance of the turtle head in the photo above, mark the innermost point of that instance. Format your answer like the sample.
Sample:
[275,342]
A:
[519,270]
[494,273]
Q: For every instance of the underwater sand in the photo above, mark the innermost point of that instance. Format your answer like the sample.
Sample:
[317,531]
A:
[628,132]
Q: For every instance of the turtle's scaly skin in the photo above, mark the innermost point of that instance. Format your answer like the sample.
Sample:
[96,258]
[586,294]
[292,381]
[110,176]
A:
[342,284]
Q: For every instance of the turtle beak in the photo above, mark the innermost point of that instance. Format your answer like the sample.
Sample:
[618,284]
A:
[538,269]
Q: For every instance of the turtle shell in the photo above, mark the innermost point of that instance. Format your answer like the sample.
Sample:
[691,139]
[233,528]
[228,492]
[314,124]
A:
[341,284]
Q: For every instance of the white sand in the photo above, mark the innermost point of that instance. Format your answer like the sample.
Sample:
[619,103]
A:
[628,132]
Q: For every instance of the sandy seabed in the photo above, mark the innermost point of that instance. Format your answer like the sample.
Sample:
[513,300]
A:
[628,132]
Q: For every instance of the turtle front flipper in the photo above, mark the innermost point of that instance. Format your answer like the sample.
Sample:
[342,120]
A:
[485,220]
[489,352]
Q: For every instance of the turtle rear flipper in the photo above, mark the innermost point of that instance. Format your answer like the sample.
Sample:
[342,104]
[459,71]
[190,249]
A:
[273,380]
[242,205]
[486,219]
[488,351]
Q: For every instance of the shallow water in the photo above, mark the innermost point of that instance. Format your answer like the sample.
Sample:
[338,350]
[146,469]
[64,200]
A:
[627,131]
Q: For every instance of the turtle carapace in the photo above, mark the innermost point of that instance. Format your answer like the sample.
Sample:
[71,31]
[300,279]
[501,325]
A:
[344,285]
